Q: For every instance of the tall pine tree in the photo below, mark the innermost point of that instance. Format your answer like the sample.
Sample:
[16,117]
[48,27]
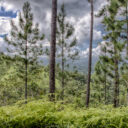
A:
[24,41]
[66,45]
[113,59]
[90,55]
[53,50]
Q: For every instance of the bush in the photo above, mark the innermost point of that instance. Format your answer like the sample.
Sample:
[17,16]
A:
[40,114]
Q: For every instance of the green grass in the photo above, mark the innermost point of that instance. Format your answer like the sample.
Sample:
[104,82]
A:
[44,114]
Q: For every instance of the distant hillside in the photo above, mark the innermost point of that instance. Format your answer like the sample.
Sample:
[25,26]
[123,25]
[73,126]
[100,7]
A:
[81,64]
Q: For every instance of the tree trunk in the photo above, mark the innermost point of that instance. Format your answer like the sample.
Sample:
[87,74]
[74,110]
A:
[127,96]
[62,64]
[62,70]
[105,90]
[127,25]
[53,51]
[90,58]
[105,82]
[116,89]
[108,88]
[26,72]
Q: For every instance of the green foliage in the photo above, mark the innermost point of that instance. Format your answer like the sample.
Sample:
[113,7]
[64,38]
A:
[66,42]
[111,60]
[110,68]
[24,41]
[12,85]
[25,36]
[66,47]
[43,114]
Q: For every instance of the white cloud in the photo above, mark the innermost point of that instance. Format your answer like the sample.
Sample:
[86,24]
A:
[97,34]
[78,13]
[4,25]
[7,7]
[3,45]
[82,28]
[46,43]
[95,51]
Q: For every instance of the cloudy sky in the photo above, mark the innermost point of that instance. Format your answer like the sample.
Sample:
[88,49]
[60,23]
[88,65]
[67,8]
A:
[78,14]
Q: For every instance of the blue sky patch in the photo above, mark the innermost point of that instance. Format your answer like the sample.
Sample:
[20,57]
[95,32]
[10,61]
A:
[3,35]
[4,13]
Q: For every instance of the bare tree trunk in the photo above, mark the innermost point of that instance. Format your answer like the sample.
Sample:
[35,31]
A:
[62,64]
[127,25]
[62,70]
[26,72]
[105,90]
[116,89]
[90,58]
[127,96]
[53,51]
[105,87]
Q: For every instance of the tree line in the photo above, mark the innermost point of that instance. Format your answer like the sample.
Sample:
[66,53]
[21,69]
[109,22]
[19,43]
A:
[111,70]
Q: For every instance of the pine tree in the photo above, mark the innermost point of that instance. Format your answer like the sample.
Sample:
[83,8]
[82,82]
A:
[90,56]
[114,30]
[124,37]
[66,43]
[101,71]
[24,42]
[124,10]
[113,27]
[124,78]
[53,50]
[127,24]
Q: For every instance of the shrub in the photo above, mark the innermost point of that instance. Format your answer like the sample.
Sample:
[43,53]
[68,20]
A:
[40,114]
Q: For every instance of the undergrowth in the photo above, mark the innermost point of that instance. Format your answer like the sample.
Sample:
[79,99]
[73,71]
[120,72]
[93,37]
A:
[44,114]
